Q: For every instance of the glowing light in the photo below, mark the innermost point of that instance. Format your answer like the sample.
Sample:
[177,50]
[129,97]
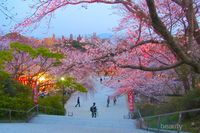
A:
[62,78]
[41,78]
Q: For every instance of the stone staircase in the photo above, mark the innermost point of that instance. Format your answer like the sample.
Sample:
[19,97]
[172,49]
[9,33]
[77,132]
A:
[64,124]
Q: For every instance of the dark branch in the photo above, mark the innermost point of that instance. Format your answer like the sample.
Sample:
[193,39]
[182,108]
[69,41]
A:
[132,47]
[161,68]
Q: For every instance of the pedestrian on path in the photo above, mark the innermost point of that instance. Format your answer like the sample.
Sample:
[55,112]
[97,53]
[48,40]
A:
[93,109]
[114,100]
[78,102]
[101,80]
[108,101]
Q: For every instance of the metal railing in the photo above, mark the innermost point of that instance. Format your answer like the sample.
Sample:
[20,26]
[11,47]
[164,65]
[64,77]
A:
[50,110]
[169,122]
[31,113]
[9,115]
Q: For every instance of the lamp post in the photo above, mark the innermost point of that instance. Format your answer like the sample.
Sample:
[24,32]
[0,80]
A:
[63,89]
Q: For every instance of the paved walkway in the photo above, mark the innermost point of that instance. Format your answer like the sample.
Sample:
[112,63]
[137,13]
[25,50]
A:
[109,120]
[100,98]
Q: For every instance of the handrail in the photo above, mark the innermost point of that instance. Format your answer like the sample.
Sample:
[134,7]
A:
[56,111]
[12,110]
[29,113]
[139,113]
[31,109]
[32,114]
[50,108]
[177,112]
[141,119]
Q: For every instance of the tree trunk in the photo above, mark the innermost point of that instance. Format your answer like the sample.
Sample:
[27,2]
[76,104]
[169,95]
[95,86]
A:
[186,85]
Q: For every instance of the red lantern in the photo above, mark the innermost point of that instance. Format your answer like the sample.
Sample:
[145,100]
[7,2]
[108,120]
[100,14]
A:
[131,100]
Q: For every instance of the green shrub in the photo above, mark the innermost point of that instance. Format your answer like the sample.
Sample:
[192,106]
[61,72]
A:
[12,87]
[13,96]
[50,103]
[147,109]
[19,102]
[191,100]
[174,104]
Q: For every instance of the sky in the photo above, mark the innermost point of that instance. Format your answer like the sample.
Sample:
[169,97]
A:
[99,18]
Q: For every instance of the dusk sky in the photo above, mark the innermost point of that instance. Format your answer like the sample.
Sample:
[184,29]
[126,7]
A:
[99,18]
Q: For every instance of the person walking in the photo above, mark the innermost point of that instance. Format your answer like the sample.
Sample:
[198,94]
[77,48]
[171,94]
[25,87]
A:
[78,102]
[93,109]
[101,80]
[114,100]
[108,101]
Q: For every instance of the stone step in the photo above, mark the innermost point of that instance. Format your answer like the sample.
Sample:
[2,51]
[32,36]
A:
[93,122]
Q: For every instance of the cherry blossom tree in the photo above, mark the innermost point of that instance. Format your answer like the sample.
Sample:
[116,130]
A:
[149,83]
[34,64]
[160,36]
[81,62]
[160,18]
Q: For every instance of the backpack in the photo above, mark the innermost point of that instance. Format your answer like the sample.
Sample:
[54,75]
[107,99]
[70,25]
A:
[95,109]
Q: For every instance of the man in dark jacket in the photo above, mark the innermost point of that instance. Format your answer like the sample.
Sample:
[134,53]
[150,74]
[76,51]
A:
[93,109]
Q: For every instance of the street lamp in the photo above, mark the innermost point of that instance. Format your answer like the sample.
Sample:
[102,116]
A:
[62,78]
[41,79]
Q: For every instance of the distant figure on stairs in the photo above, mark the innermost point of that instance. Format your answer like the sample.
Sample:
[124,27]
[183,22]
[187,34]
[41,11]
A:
[93,109]
[78,102]
[101,80]
[114,100]
[108,101]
